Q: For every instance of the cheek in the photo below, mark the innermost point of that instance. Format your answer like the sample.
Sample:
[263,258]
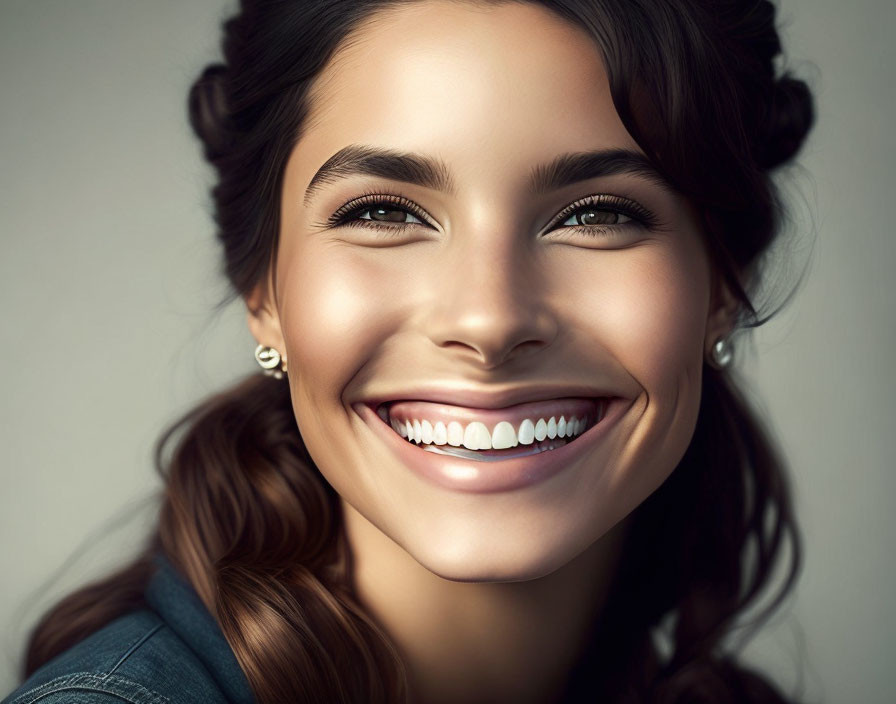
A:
[649,308]
[333,312]
[670,308]
[646,313]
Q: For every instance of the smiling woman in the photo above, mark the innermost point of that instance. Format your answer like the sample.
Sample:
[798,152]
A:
[493,255]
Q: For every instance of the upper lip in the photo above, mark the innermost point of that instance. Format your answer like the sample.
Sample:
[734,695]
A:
[469,397]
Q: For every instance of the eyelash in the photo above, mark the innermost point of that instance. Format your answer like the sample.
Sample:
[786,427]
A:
[348,213]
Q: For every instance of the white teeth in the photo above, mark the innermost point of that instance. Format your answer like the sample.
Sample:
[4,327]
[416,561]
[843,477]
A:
[503,436]
[527,432]
[476,437]
[455,434]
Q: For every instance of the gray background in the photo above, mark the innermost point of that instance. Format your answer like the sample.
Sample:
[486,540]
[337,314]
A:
[109,275]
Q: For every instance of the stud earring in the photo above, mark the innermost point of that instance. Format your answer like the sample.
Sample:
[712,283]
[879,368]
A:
[722,353]
[270,360]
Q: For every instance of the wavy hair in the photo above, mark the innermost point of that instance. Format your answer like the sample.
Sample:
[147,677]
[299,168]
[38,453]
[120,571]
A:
[254,527]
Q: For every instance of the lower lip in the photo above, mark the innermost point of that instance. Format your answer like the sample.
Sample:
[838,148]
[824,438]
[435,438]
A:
[478,477]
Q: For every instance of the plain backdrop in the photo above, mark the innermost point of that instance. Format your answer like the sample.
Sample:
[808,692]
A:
[109,275]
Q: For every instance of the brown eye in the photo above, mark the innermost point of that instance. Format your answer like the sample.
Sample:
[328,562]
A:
[380,213]
[595,216]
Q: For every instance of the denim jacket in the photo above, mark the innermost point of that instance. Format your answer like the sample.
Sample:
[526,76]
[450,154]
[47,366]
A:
[170,653]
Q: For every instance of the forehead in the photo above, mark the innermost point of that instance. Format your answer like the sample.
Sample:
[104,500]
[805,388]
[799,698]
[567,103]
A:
[476,84]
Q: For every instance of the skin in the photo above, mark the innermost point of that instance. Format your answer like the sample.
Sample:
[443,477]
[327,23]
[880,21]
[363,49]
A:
[510,580]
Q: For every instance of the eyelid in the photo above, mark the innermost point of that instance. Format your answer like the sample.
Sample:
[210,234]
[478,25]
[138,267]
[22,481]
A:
[613,203]
[346,212]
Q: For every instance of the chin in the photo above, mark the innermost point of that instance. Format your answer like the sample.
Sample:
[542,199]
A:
[519,561]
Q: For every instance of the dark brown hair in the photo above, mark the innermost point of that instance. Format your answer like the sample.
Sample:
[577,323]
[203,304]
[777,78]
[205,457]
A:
[254,527]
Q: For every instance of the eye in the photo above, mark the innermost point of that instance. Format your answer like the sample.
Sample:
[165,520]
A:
[596,216]
[600,215]
[604,215]
[380,212]
[387,213]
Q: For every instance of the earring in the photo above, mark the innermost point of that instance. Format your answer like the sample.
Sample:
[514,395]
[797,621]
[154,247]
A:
[270,361]
[722,353]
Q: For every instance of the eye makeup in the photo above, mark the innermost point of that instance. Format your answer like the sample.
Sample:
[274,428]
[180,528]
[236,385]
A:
[348,214]
[610,204]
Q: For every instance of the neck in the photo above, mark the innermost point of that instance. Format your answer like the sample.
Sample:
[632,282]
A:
[480,641]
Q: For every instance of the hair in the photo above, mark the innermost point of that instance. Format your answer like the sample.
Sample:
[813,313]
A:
[250,522]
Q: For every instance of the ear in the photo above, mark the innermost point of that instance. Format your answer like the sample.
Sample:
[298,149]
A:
[722,318]
[263,318]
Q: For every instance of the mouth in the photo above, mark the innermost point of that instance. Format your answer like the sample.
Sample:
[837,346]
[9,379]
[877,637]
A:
[502,444]
[493,435]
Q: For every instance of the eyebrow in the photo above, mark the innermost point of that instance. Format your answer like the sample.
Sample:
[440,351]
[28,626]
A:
[431,172]
[567,169]
[357,159]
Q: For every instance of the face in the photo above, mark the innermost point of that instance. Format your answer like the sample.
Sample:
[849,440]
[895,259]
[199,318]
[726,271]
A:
[460,284]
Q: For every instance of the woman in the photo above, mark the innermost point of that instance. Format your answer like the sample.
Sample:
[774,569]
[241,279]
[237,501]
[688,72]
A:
[494,255]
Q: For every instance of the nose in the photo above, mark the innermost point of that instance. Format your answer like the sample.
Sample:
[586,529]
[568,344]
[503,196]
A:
[491,305]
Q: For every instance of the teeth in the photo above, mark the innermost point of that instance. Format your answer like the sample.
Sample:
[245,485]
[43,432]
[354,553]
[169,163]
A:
[455,434]
[477,437]
[503,436]
[537,435]
[527,432]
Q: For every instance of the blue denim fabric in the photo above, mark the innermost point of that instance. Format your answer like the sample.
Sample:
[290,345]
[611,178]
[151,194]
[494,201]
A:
[170,653]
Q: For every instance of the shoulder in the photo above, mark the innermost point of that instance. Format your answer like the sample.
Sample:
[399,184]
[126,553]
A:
[137,658]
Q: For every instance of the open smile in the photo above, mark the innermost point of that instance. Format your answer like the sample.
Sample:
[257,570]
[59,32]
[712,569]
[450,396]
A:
[486,435]
[484,450]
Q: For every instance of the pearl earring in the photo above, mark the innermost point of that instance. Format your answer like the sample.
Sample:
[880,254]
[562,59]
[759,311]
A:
[269,360]
[722,353]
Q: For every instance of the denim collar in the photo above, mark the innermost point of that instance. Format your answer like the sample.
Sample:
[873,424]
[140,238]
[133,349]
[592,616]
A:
[175,601]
